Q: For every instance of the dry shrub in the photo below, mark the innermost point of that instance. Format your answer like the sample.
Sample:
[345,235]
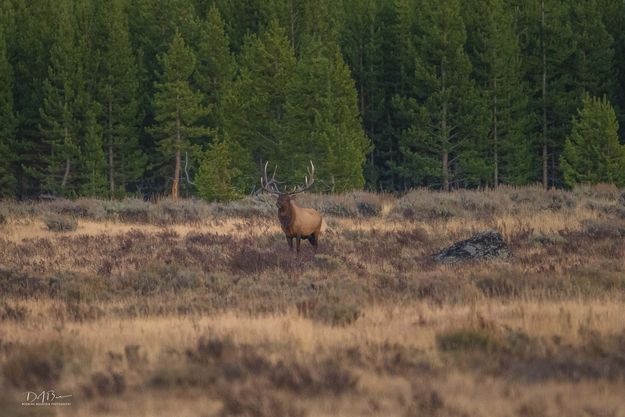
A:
[60,223]
[428,402]
[79,311]
[603,228]
[599,191]
[257,401]
[168,211]
[329,310]
[14,312]
[105,384]
[130,210]
[328,263]
[251,260]
[326,376]
[21,284]
[260,206]
[352,205]
[466,339]
[423,205]
[40,364]
[160,279]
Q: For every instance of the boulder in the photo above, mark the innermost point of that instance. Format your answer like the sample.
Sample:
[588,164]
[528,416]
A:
[485,245]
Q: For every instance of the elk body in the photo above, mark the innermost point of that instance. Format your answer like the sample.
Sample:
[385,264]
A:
[297,222]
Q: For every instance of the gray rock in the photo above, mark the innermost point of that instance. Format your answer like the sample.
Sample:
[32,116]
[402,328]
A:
[621,199]
[485,245]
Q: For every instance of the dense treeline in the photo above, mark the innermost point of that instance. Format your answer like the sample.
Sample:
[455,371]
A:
[190,97]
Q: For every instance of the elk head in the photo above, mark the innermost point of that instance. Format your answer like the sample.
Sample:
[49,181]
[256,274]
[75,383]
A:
[296,222]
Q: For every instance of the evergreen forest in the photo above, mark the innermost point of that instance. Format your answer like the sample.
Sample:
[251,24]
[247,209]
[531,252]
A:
[190,98]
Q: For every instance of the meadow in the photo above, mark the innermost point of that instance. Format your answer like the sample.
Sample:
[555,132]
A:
[193,309]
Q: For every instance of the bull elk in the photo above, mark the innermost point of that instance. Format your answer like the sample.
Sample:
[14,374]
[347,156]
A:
[296,222]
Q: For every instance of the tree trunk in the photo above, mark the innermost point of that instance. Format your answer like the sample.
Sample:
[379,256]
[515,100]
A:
[66,174]
[110,149]
[544,95]
[176,183]
[444,134]
[67,161]
[495,135]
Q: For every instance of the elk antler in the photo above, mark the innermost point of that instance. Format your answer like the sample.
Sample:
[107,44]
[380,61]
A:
[271,186]
[307,183]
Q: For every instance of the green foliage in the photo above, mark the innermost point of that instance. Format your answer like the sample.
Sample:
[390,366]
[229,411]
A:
[118,96]
[444,108]
[93,163]
[216,177]
[215,63]
[592,152]
[496,61]
[63,95]
[7,124]
[322,122]
[253,110]
[383,95]
[177,107]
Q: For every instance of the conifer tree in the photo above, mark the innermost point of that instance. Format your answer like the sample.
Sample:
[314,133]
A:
[594,51]
[216,178]
[215,63]
[362,47]
[30,51]
[93,162]
[547,47]
[322,123]
[177,107]
[118,97]
[253,108]
[7,124]
[613,14]
[592,152]
[494,51]
[59,124]
[449,103]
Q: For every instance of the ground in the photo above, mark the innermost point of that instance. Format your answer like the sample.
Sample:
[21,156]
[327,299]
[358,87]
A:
[194,309]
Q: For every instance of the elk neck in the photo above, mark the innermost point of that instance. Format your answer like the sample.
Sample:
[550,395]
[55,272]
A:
[287,214]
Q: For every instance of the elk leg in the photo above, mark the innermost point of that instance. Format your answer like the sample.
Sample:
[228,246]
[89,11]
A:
[298,240]
[289,240]
[315,240]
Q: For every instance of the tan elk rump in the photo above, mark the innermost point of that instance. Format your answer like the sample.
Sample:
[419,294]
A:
[296,222]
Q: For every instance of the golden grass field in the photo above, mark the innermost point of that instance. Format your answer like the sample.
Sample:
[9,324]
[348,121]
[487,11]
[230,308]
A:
[191,309]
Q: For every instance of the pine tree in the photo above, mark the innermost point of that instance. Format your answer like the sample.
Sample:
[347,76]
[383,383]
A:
[177,107]
[93,162]
[322,123]
[496,60]
[613,14]
[400,155]
[118,96]
[30,51]
[448,102]
[216,178]
[253,108]
[7,124]
[59,125]
[547,45]
[592,152]
[216,67]
[361,45]
[594,52]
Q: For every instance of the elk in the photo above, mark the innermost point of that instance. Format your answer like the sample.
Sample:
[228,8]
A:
[296,222]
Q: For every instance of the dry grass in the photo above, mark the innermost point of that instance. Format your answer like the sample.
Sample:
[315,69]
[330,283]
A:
[199,310]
